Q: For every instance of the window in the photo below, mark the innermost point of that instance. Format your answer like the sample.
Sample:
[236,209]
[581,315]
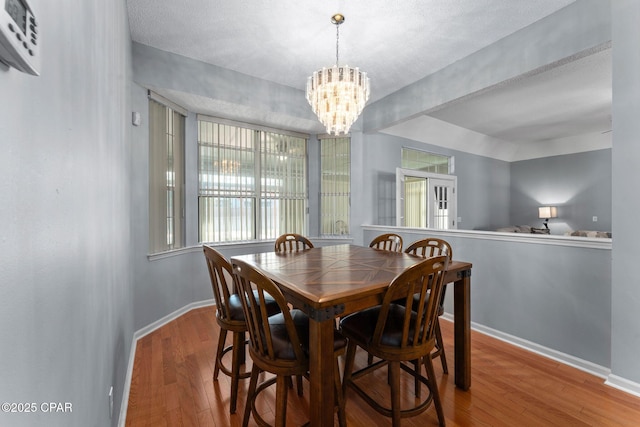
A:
[252,182]
[426,162]
[166,177]
[335,185]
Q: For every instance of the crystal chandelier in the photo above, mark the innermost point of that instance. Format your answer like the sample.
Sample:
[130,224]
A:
[338,94]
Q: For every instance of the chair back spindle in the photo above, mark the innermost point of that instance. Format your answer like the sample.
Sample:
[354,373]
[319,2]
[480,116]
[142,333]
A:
[414,286]
[430,247]
[221,276]
[387,242]
[292,242]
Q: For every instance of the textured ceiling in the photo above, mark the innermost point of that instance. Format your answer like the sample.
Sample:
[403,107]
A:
[397,42]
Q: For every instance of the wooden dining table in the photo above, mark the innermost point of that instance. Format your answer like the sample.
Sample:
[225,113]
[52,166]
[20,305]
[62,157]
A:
[333,281]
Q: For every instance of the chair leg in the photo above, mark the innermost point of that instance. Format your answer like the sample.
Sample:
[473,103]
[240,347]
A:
[433,386]
[281,401]
[417,366]
[299,384]
[222,337]
[440,346]
[348,367]
[394,373]
[340,400]
[255,371]
[237,353]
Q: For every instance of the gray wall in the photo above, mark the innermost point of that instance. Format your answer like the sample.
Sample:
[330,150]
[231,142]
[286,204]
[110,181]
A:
[578,184]
[165,284]
[483,183]
[493,193]
[552,293]
[625,343]
[65,278]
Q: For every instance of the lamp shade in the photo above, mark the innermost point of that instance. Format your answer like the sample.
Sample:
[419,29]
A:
[546,212]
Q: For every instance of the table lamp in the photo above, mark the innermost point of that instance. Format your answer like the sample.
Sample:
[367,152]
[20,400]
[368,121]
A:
[546,212]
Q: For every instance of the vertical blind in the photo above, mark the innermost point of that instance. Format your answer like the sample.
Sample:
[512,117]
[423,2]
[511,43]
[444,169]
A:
[252,182]
[415,199]
[335,185]
[166,178]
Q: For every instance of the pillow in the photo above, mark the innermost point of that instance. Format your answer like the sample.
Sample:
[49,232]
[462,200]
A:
[590,233]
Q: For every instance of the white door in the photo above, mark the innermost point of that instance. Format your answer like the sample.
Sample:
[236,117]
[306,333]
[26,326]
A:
[425,200]
[442,208]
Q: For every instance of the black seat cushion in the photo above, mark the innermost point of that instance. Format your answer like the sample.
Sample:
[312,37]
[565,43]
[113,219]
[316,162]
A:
[235,306]
[416,302]
[281,341]
[360,326]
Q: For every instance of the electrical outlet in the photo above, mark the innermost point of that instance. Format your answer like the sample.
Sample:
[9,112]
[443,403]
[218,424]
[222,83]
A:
[459,219]
[111,402]
[595,219]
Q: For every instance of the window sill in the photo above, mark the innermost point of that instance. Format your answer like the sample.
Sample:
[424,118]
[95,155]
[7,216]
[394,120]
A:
[241,247]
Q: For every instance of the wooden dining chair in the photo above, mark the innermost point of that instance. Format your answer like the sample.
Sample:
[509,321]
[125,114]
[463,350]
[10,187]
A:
[277,344]
[230,318]
[397,334]
[387,242]
[292,242]
[426,248]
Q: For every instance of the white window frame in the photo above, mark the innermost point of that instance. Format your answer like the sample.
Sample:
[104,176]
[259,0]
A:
[429,167]
[432,180]
[294,191]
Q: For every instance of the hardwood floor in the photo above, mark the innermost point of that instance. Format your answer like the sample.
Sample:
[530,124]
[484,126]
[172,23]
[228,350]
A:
[172,386]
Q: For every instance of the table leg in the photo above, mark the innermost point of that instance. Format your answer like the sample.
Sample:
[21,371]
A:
[321,364]
[462,329]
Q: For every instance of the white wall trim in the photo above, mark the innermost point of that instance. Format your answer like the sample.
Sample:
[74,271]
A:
[132,354]
[623,384]
[534,239]
[567,359]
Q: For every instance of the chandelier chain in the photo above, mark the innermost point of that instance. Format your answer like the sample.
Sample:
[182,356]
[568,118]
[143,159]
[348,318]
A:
[337,43]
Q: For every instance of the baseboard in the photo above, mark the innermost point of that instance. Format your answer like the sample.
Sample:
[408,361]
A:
[122,419]
[567,359]
[591,368]
[623,384]
[132,354]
